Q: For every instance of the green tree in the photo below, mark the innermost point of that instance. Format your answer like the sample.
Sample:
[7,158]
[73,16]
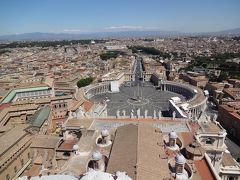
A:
[110,54]
[238,158]
[223,76]
[84,82]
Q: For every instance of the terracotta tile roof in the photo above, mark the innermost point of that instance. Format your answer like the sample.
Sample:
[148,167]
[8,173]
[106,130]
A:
[4,105]
[204,170]
[87,105]
[194,127]
[13,136]
[152,161]
[67,145]
[33,171]
[75,122]
[124,151]
[73,105]
[187,137]
[136,150]
[45,141]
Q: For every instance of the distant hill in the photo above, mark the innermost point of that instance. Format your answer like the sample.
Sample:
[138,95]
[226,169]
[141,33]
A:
[68,36]
[230,32]
[122,34]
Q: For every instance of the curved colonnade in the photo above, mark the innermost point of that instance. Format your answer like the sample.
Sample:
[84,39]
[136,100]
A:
[195,98]
[95,89]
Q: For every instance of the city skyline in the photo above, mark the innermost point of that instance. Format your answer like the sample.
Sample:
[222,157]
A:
[61,16]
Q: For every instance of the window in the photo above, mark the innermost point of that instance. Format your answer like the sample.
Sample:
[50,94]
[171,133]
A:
[231,178]
[210,141]
[7,177]
[22,162]
[28,155]
[179,169]
[15,169]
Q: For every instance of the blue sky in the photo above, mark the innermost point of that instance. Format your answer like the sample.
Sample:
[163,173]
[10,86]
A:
[76,16]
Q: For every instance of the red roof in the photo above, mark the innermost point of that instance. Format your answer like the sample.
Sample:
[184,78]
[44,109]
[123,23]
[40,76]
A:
[87,105]
[68,144]
[187,137]
[204,170]
[4,105]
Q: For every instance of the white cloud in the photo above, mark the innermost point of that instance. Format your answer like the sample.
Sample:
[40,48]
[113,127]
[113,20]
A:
[72,30]
[125,27]
[131,27]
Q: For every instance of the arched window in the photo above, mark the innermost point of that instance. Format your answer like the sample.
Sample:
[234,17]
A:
[22,162]
[15,169]
[7,177]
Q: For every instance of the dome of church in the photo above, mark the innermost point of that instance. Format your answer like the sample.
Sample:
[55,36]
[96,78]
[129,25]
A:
[105,133]
[97,156]
[173,135]
[180,159]
[75,147]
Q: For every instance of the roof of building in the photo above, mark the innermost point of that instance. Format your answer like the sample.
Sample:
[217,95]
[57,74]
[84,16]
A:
[195,149]
[65,97]
[45,141]
[204,170]
[211,127]
[4,105]
[87,105]
[40,117]
[73,105]
[151,164]
[216,85]
[233,108]
[129,153]
[234,93]
[139,150]
[17,110]
[13,93]
[124,151]
[11,137]
[80,123]
[4,129]
[227,160]
[67,145]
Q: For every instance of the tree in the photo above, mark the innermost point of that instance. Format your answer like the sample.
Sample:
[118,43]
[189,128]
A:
[238,158]
[110,54]
[84,82]
[223,76]
[213,78]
